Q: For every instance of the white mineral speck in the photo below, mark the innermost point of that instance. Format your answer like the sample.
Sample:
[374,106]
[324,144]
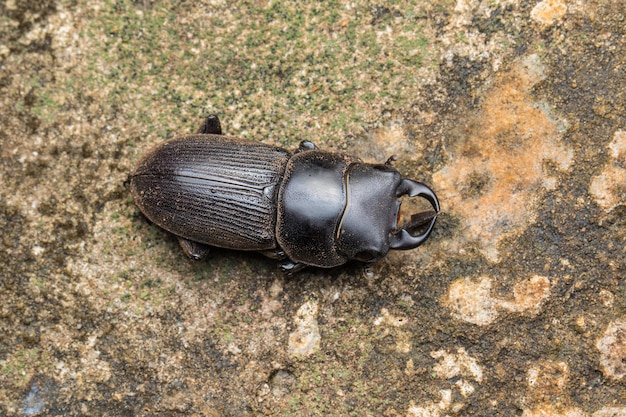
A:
[460,363]
[608,185]
[612,347]
[473,302]
[305,340]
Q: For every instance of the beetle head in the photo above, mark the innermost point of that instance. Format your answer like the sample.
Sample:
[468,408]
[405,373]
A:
[368,228]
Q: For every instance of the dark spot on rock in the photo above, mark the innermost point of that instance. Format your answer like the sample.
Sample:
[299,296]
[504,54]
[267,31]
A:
[281,382]
[476,184]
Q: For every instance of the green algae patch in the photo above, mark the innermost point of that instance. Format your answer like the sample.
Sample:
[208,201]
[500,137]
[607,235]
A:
[282,72]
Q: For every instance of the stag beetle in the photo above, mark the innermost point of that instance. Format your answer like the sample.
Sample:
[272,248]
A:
[305,208]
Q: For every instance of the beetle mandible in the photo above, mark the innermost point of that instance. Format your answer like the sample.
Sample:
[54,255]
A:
[307,208]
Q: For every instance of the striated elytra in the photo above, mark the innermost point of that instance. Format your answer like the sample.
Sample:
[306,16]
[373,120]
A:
[307,208]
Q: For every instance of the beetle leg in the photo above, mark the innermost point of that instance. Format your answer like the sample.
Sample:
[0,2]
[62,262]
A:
[306,145]
[290,267]
[274,253]
[389,162]
[194,250]
[211,126]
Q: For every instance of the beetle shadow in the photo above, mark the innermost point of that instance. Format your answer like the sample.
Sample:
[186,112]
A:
[227,262]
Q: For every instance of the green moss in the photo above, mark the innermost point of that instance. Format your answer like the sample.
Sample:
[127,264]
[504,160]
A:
[318,60]
[20,366]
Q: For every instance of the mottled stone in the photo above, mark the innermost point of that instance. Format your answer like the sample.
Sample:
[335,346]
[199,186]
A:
[387,318]
[610,412]
[403,339]
[457,364]
[547,379]
[459,367]
[497,174]
[34,402]
[528,295]
[431,409]
[548,410]
[547,12]
[282,382]
[609,187]
[612,347]
[305,340]
[514,117]
[472,300]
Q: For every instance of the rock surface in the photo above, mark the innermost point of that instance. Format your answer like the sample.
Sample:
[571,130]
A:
[513,111]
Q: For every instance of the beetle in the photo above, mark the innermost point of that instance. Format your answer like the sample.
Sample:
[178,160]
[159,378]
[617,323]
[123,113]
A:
[306,208]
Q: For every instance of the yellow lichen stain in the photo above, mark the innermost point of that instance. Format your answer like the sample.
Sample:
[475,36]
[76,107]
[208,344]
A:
[497,173]
[547,12]
[472,300]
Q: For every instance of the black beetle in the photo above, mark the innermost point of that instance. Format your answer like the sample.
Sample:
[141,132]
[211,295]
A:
[307,208]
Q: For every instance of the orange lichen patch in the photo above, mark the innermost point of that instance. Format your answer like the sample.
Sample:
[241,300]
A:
[548,11]
[609,188]
[473,302]
[497,172]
